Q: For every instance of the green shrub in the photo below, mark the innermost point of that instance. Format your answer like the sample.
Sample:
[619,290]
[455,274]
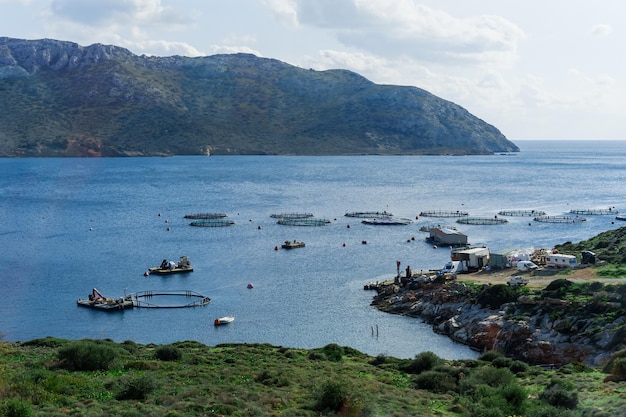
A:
[490,356]
[136,388]
[435,381]
[333,352]
[14,407]
[424,361]
[502,362]
[168,353]
[495,295]
[332,395]
[560,395]
[518,367]
[86,356]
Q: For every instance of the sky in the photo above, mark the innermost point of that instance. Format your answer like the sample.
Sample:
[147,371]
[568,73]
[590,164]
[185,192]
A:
[534,69]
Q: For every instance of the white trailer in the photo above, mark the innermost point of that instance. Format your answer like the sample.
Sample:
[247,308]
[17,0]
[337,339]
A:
[558,260]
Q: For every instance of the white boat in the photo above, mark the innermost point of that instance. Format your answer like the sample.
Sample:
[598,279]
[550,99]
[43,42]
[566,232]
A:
[223,320]
[620,217]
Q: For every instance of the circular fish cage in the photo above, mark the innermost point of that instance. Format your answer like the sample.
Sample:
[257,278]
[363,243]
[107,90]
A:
[595,212]
[369,214]
[560,219]
[291,215]
[443,213]
[308,221]
[200,216]
[521,213]
[169,299]
[212,223]
[482,220]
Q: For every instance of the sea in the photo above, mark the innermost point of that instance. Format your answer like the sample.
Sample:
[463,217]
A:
[68,225]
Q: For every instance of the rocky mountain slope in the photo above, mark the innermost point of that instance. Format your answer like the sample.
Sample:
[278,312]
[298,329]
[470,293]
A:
[62,99]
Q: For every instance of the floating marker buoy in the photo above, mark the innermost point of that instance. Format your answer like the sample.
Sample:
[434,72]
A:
[275,247]
[434,246]
[344,245]
[348,226]
[159,214]
[168,229]
[147,273]
[259,227]
[250,285]
[364,242]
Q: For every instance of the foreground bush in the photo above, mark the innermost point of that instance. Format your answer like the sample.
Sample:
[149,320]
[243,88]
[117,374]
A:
[86,356]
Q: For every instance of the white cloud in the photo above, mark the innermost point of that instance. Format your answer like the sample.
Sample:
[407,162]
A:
[602,30]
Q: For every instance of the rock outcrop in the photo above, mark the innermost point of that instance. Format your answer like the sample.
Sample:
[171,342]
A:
[542,328]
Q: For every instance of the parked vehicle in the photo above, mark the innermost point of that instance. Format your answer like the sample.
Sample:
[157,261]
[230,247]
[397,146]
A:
[526,266]
[558,260]
[516,281]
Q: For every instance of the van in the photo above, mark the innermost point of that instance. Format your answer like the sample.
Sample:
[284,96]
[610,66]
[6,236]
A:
[526,266]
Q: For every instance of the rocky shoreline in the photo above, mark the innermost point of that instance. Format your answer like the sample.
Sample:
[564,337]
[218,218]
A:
[562,323]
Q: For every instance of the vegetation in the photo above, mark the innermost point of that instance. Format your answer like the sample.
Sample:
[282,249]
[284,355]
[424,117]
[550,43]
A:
[37,378]
[609,248]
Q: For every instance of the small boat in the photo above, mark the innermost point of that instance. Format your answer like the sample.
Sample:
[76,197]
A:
[171,267]
[292,245]
[621,217]
[223,320]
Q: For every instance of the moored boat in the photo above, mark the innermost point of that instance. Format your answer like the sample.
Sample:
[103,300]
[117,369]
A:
[171,267]
[98,301]
[223,320]
[292,245]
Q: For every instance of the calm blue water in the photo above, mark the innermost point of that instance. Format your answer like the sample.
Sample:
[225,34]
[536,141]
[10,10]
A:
[68,225]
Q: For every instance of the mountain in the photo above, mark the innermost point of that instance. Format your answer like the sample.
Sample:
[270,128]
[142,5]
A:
[58,98]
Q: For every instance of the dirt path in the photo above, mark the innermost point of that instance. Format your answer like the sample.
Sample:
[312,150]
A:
[539,278]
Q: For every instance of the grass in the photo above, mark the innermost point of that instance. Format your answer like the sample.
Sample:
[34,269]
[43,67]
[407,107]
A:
[191,379]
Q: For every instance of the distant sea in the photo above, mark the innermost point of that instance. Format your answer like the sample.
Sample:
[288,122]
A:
[69,225]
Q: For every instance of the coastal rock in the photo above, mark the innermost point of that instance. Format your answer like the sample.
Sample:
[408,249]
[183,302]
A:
[546,331]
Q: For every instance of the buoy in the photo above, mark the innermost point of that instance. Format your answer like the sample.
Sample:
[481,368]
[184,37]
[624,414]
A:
[364,242]
[412,237]
[147,273]
[216,322]
[250,285]
[168,229]
[348,226]
[434,246]
[416,218]
[159,214]
[275,247]
[167,221]
[344,245]
[259,227]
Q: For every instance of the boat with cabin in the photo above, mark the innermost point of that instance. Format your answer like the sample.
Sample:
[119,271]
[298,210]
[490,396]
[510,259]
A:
[171,267]
[292,245]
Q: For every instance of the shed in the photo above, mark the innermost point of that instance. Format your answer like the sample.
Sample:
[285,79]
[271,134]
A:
[446,236]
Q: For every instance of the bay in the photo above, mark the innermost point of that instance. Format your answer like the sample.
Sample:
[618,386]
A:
[69,225]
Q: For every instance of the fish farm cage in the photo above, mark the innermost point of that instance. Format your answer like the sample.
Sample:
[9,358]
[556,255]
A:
[303,221]
[369,214]
[212,223]
[169,299]
[481,220]
[443,213]
[522,213]
[291,215]
[560,219]
[199,216]
[595,212]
